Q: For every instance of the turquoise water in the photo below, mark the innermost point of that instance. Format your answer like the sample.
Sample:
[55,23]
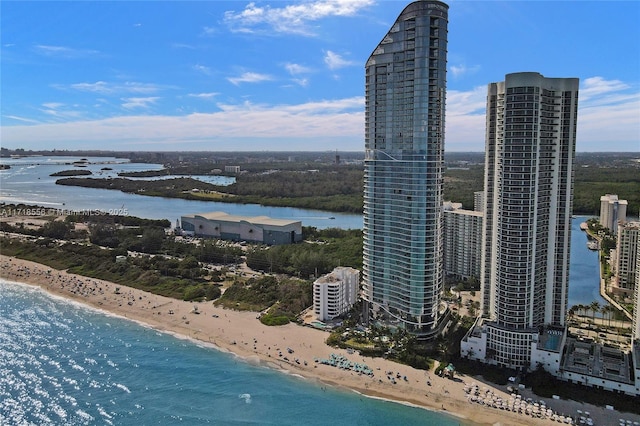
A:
[65,364]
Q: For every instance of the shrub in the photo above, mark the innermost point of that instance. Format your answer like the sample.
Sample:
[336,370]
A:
[274,319]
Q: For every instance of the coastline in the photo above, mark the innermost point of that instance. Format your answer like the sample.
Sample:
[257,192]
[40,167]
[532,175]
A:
[241,334]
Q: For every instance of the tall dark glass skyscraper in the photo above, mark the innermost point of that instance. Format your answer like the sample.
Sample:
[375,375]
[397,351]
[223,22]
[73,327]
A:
[404,143]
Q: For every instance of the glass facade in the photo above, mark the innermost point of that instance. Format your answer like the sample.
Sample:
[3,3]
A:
[404,142]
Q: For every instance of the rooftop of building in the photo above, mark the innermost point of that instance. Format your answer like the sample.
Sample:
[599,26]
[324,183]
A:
[631,225]
[336,275]
[466,212]
[612,198]
[595,360]
[261,220]
[551,339]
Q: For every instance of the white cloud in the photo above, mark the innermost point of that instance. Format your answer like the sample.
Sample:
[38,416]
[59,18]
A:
[257,126]
[52,105]
[131,103]
[460,70]
[22,119]
[209,31]
[335,61]
[295,69]
[595,86]
[465,119]
[250,77]
[202,69]
[61,112]
[182,46]
[107,88]
[203,95]
[64,51]
[608,114]
[460,103]
[292,19]
[304,82]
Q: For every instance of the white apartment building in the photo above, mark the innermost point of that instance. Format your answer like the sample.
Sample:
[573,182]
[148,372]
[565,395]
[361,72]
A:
[335,293]
[462,241]
[232,169]
[530,148]
[612,211]
[626,257]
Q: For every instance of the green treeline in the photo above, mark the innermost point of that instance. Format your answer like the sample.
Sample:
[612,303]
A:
[337,189]
[321,251]
[593,182]
[346,181]
[460,184]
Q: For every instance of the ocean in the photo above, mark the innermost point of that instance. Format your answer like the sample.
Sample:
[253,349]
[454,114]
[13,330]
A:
[62,363]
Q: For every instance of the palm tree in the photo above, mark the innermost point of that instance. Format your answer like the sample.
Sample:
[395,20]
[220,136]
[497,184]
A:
[595,307]
[608,310]
[571,314]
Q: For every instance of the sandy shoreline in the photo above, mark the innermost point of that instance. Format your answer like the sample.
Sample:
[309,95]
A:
[243,335]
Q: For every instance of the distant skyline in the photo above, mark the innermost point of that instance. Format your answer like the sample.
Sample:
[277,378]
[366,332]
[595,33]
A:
[289,76]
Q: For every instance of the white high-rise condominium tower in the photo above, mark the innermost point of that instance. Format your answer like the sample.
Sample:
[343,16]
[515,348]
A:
[612,211]
[404,142]
[529,170]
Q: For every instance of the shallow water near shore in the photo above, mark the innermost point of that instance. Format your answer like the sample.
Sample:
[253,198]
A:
[62,363]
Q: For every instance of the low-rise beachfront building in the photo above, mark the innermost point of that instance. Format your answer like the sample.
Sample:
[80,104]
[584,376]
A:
[258,229]
[474,344]
[567,358]
[335,293]
[545,346]
[601,367]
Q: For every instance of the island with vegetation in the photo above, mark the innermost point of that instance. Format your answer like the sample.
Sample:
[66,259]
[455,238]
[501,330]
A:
[71,173]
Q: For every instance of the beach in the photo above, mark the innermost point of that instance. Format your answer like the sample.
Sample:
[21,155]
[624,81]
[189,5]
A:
[294,349]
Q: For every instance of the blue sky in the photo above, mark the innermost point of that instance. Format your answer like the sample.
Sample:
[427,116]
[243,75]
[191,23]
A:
[288,75]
